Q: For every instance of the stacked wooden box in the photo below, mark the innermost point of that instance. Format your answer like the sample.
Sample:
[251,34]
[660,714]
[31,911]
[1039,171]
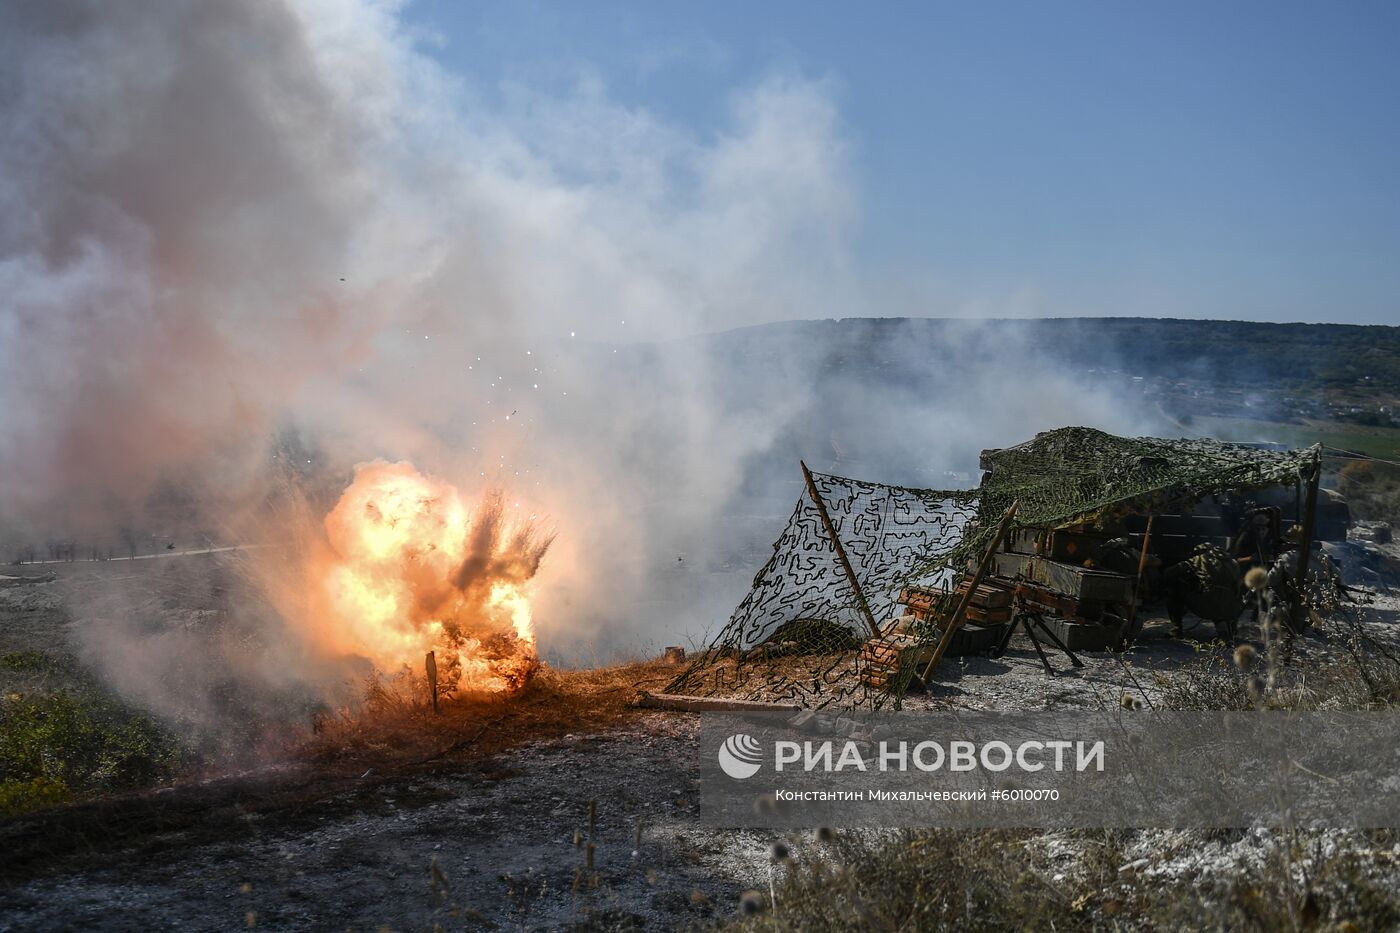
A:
[987,615]
[882,659]
[1047,566]
[991,603]
[1054,571]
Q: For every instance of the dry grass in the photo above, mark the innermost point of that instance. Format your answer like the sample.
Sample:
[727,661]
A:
[914,880]
[1001,880]
[766,677]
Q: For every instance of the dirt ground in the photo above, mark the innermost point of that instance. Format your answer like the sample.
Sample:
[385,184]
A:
[468,821]
[485,843]
[466,825]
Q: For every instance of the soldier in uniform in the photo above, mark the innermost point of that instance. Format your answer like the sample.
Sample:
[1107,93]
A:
[1119,555]
[1281,599]
[1257,544]
[1208,584]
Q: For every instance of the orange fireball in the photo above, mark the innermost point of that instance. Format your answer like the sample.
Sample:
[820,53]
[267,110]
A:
[414,570]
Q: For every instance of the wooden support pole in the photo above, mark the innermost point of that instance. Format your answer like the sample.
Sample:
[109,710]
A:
[431,666]
[1137,583]
[955,622]
[1305,544]
[840,551]
[693,704]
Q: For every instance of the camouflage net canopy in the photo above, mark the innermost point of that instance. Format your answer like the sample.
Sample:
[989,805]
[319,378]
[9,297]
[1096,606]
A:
[1080,476]
[793,638]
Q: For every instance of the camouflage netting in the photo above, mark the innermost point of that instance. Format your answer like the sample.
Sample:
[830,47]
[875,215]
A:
[1076,476]
[793,637]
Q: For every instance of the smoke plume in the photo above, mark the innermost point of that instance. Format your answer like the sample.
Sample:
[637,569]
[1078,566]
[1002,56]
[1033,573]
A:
[229,223]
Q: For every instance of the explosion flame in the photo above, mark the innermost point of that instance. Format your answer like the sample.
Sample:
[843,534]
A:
[413,570]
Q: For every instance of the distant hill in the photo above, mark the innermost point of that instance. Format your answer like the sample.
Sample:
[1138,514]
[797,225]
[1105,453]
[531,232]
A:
[1237,354]
[910,399]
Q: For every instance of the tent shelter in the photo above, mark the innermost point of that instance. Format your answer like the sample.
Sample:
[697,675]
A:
[852,551]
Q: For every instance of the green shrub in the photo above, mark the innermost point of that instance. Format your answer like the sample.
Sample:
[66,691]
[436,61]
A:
[18,797]
[26,661]
[57,745]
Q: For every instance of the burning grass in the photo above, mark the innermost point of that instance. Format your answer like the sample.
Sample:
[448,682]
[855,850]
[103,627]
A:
[393,731]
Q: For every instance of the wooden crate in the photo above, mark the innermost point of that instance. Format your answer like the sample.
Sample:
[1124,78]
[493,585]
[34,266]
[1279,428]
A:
[920,601]
[989,599]
[976,615]
[988,595]
[1073,547]
[887,649]
[1081,636]
[975,639]
[1046,601]
[882,659]
[1079,583]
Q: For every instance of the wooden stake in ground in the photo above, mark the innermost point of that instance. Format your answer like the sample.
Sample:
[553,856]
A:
[955,622]
[840,551]
[1305,545]
[431,666]
[693,704]
[592,828]
[1137,583]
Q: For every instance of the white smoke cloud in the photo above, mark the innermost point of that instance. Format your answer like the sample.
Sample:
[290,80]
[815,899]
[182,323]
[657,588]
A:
[218,219]
[208,206]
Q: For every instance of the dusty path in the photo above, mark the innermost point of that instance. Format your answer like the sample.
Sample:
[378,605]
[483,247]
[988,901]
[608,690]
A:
[151,556]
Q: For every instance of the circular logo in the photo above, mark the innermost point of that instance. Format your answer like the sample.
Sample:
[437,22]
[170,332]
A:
[740,756]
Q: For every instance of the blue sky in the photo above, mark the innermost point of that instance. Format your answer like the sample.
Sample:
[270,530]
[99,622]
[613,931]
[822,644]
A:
[1235,160]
